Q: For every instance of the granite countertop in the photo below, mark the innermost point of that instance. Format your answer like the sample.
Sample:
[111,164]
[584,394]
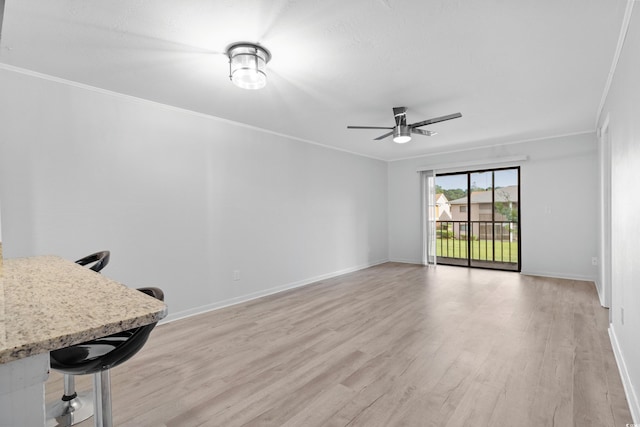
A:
[47,303]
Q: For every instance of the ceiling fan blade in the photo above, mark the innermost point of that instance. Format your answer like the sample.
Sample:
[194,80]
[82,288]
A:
[383,136]
[369,127]
[423,132]
[435,120]
[1,16]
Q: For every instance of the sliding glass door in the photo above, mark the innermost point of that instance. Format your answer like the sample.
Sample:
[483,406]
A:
[478,216]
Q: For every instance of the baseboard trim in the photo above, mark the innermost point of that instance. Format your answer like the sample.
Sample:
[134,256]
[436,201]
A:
[600,293]
[406,261]
[632,396]
[255,295]
[559,276]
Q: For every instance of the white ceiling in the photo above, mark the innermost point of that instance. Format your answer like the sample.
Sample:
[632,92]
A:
[515,69]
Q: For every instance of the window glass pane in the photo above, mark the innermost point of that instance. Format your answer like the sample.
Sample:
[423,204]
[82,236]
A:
[506,195]
[452,211]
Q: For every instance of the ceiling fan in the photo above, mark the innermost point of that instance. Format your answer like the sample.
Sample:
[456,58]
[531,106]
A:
[402,131]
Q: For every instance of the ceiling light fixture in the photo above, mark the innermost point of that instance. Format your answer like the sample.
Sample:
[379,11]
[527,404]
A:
[401,134]
[248,65]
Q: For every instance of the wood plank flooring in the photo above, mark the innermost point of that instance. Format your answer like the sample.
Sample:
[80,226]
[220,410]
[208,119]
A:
[392,345]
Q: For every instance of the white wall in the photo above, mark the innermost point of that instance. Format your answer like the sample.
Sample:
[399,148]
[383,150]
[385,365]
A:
[559,189]
[182,200]
[623,108]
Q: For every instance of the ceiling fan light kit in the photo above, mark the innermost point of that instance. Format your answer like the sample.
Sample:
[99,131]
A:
[402,131]
[401,134]
[248,65]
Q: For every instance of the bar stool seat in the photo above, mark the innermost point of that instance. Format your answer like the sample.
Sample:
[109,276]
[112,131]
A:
[98,356]
[74,407]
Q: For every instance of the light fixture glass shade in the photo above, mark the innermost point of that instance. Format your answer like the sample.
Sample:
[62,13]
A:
[401,134]
[248,65]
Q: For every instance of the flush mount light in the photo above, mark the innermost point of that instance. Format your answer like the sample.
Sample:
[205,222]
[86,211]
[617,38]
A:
[248,65]
[401,134]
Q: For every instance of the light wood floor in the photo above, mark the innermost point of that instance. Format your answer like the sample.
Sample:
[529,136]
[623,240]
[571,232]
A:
[392,345]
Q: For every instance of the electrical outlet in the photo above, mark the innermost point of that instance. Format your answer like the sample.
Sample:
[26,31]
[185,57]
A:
[236,275]
[594,261]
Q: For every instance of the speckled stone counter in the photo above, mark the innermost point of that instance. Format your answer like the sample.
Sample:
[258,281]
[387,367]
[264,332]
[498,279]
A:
[48,303]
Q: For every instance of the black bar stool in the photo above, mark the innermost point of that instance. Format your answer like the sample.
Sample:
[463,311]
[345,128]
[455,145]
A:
[74,408]
[98,356]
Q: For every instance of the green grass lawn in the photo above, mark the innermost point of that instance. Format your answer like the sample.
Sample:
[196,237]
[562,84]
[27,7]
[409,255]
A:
[481,250]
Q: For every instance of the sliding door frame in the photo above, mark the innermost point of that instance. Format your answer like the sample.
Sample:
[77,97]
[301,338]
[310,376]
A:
[469,221]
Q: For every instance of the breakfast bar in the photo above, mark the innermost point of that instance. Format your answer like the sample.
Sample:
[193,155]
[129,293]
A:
[48,303]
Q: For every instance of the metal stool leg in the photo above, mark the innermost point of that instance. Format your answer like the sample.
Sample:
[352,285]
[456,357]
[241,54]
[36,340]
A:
[72,408]
[102,399]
